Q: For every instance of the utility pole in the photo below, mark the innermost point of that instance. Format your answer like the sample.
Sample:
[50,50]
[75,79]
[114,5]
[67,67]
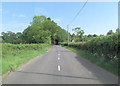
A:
[68,33]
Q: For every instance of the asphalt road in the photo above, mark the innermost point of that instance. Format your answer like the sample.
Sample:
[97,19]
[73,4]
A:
[60,66]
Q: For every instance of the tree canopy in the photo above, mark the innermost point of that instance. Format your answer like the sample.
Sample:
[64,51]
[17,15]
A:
[45,30]
[41,30]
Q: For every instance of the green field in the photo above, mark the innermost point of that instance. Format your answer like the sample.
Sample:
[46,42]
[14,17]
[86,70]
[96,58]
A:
[15,55]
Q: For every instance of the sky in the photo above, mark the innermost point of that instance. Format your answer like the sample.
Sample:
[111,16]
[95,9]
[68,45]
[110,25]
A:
[95,18]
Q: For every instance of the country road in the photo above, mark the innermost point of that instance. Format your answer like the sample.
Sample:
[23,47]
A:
[60,66]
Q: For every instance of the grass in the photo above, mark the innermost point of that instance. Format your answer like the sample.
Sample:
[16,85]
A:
[15,55]
[109,66]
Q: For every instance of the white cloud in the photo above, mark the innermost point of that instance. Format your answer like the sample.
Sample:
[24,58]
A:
[58,19]
[20,15]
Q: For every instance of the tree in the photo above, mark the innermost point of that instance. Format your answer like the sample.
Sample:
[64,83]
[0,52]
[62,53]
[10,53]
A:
[49,18]
[110,32]
[9,37]
[18,37]
[43,29]
[89,35]
[118,30]
[79,33]
[85,38]
[94,35]
[38,20]
[73,35]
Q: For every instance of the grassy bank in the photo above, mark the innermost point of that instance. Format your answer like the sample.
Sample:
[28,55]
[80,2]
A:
[14,55]
[107,65]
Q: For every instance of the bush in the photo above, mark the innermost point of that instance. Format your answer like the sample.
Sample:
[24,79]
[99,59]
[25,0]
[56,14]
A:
[14,55]
[101,46]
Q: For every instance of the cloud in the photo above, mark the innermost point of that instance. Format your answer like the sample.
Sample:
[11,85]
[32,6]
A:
[58,19]
[20,15]
[19,27]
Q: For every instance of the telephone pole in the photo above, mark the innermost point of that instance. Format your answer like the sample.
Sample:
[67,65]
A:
[68,33]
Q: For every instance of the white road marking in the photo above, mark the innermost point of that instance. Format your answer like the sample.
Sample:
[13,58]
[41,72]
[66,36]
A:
[58,54]
[58,58]
[58,67]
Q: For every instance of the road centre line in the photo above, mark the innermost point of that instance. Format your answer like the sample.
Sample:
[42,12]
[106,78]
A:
[58,58]
[58,67]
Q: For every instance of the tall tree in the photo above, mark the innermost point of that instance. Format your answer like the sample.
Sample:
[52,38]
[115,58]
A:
[43,29]
[79,32]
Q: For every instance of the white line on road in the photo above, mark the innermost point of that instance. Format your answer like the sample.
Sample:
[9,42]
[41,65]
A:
[58,67]
[58,54]
[58,58]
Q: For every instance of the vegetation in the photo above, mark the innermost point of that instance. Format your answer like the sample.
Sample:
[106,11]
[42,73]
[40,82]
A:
[18,48]
[104,50]
[14,55]
[41,30]
[79,33]
[96,60]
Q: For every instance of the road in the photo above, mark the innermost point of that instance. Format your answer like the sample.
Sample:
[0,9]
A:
[60,66]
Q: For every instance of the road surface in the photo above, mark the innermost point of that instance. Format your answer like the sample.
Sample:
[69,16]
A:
[60,66]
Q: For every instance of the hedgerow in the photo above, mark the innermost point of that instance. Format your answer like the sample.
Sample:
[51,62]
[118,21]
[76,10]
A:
[101,46]
[13,55]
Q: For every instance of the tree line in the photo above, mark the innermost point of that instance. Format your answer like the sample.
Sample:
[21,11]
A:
[45,30]
[79,36]
[105,48]
[41,30]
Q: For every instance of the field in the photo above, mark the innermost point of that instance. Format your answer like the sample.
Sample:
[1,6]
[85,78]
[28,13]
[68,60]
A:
[14,55]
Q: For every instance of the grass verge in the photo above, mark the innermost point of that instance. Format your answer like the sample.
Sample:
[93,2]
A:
[15,55]
[109,66]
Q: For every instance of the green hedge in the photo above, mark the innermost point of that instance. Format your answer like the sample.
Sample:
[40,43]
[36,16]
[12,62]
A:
[14,55]
[101,46]
[15,49]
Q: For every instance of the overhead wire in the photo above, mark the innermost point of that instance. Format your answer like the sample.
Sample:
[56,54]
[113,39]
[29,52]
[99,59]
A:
[78,12]
[75,18]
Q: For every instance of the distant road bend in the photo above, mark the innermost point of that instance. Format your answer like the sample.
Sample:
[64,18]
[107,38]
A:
[60,66]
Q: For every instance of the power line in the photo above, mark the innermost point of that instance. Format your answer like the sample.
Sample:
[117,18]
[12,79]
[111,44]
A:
[75,18]
[79,11]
